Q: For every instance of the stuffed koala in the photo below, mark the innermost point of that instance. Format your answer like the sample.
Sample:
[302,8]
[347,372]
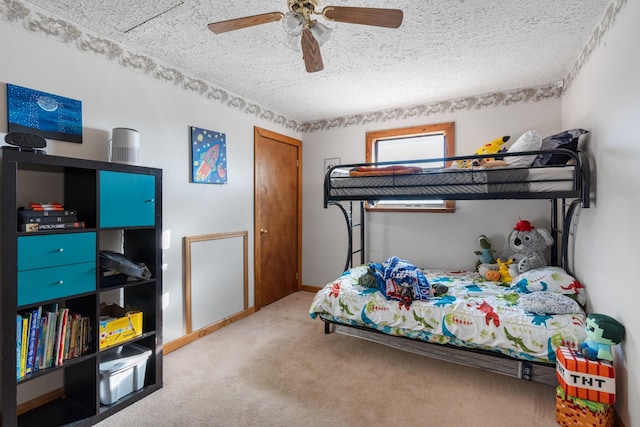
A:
[527,245]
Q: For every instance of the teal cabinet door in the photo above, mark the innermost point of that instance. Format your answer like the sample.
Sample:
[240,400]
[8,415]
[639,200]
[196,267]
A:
[55,249]
[127,199]
[55,282]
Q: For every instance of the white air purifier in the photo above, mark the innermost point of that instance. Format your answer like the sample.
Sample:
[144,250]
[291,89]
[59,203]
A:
[124,146]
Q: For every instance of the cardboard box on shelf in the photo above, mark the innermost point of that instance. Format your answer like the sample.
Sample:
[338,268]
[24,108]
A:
[118,325]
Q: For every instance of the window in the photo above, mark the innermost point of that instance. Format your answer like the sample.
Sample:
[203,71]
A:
[414,143]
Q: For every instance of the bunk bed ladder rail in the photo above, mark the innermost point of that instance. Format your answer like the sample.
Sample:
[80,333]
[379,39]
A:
[348,216]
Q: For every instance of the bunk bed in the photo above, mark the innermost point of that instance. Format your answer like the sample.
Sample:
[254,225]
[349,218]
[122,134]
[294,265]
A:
[477,322]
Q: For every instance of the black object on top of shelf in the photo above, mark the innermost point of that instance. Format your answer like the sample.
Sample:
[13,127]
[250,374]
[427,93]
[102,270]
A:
[26,141]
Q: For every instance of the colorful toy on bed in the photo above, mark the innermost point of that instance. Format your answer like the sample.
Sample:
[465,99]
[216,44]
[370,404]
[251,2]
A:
[503,268]
[527,244]
[485,253]
[493,147]
[497,271]
[400,280]
[602,333]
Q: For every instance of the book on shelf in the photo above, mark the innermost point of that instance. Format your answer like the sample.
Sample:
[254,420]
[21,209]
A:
[18,344]
[24,345]
[53,219]
[34,226]
[51,206]
[34,317]
[62,328]
[27,213]
[42,330]
[57,335]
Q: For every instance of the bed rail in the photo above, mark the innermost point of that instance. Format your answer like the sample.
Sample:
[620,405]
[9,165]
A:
[578,188]
[526,370]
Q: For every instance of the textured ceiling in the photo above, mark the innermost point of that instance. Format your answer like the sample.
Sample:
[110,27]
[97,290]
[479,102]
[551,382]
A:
[444,49]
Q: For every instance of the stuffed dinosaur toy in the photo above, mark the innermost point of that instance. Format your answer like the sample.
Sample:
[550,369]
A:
[527,245]
[485,253]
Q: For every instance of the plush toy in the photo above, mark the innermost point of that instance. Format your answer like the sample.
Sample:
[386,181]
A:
[496,272]
[503,269]
[527,245]
[602,332]
[485,253]
[493,147]
[492,275]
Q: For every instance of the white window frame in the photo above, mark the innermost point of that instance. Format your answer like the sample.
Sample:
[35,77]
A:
[447,143]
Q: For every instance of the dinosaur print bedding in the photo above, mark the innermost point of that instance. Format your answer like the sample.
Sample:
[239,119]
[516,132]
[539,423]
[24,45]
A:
[473,313]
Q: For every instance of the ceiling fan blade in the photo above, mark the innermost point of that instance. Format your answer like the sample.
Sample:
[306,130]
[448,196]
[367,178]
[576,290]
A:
[247,21]
[311,52]
[391,18]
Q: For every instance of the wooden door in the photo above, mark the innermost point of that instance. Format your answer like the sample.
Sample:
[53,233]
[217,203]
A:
[278,216]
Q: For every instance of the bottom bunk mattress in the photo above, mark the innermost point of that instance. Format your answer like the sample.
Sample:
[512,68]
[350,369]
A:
[473,313]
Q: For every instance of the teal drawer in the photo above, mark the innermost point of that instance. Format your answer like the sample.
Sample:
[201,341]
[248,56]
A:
[56,249]
[55,282]
[127,199]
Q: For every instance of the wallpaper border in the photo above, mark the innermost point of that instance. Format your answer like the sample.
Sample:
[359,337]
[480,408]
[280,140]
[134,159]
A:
[65,32]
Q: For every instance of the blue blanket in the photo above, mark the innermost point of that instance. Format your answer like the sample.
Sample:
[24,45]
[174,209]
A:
[401,280]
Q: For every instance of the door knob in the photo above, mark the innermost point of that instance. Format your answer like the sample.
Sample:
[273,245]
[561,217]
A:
[263,231]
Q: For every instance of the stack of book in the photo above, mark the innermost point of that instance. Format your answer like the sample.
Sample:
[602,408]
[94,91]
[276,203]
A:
[47,216]
[47,336]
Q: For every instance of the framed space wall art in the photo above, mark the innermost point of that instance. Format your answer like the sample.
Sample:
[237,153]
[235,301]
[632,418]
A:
[208,156]
[44,114]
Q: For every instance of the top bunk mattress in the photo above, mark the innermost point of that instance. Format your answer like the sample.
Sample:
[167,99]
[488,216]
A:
[449,183]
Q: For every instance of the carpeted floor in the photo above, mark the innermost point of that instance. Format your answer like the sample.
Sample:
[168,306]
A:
[278,368]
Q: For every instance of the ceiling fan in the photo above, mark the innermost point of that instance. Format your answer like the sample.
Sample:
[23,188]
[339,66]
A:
[309,33]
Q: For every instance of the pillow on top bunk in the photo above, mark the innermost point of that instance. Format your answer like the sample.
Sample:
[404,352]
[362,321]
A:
[567,139]
[550,279]
[529,141]
[543,303]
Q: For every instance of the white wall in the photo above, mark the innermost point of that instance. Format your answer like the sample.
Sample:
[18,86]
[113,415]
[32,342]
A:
[435,240]
[113,96]
[605,97]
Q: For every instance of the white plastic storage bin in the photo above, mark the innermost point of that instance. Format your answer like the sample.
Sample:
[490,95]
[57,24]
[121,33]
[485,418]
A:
[122,372]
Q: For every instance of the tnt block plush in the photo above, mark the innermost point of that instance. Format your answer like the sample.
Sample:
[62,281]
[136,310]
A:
[583,378]
[574,412]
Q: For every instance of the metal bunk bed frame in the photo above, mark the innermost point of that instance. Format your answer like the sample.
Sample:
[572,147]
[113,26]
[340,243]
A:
[561,210]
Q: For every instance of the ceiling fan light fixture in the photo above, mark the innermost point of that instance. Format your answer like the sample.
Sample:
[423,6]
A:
[293,43]
[293,23]
[321,32]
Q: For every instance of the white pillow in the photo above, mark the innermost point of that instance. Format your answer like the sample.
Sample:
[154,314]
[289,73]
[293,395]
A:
[529,141]
[551,279]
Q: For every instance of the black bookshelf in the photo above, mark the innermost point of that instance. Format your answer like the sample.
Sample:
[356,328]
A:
[79,185]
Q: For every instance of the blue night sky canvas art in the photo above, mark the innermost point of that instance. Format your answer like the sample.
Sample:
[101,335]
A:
[208,156]
[44,114]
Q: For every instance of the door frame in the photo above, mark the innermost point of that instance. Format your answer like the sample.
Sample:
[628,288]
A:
[257,288]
